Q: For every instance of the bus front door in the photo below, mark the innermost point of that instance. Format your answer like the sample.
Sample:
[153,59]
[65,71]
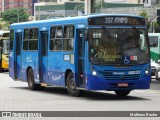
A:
[18,62]
[81,59]
[43,56]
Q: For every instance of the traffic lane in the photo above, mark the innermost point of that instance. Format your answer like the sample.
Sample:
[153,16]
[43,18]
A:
[155,84]
[16,96]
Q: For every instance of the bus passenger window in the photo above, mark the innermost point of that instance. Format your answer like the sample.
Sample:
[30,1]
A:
[34,34]
[68,44]
[26,39]
[52,33]
[68,38]
[58,44]
[59,32]
[11,39]
[56,38]
[33,42]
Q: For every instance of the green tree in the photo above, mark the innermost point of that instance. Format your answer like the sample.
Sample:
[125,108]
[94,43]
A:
[15,15]
[144,14]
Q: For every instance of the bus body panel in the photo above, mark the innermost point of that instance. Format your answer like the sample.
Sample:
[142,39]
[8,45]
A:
[5,61]
[57,68]
[154,39]
[11,65]
[29,60]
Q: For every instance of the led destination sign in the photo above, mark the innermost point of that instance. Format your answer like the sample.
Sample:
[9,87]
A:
[115,20]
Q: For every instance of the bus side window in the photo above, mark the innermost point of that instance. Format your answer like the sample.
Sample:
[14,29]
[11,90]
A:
[26,39]
[33,41]
[11,39]
[56,39]
[68,38]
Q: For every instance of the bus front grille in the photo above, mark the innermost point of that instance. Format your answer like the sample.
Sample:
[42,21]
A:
[108,75]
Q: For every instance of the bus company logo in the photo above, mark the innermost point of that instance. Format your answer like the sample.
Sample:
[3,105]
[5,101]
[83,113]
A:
[119,73]
[29,59]
[81,25]
[122,76]
[6,114]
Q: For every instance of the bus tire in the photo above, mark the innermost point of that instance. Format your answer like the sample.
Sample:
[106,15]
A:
[122,93]
[1,69]
[30,80]
[71,86]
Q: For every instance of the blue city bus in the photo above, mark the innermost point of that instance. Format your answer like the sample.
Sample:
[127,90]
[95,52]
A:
[94,52]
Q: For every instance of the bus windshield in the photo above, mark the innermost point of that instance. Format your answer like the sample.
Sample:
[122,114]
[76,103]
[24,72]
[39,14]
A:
[5,46]
[118,46]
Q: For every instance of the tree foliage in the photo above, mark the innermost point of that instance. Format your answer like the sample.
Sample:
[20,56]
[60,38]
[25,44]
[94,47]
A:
[12,15]
[144,14]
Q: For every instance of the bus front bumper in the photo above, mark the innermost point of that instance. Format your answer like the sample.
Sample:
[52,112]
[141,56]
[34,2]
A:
[96,83]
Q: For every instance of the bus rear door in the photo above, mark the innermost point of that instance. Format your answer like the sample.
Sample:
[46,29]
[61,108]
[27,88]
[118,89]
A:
[18,62]
[43,56]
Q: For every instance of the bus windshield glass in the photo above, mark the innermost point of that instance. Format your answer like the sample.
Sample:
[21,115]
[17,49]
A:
[5,46]
[118,46]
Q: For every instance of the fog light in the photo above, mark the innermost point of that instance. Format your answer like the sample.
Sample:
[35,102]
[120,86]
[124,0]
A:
[146,72]
[94,73]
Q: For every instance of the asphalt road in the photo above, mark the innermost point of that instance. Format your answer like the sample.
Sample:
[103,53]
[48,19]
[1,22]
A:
[15,96]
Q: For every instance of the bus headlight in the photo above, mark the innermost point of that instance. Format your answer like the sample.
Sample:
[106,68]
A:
[146,72]
[94,73]
[93,70]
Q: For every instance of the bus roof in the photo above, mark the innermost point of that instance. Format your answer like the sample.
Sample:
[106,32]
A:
[154,34]
[68,20]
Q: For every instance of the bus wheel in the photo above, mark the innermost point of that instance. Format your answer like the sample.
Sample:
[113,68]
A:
[71,86]
[30,80]
[0,69]
[122,92]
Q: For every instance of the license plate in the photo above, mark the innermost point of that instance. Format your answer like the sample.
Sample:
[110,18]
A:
[122,84]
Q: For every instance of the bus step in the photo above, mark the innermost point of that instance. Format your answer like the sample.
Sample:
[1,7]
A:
[44,84]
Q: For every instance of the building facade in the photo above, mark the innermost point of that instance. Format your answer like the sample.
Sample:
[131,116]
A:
[9,4]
